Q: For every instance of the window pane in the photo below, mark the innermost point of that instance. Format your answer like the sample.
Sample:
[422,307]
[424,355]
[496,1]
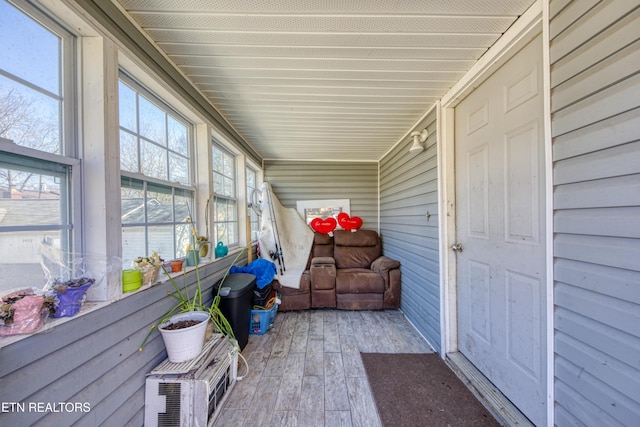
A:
[251,187]
[128,152]
[152,122]
[31,198]
[251,180]
[20,252]
[29,51]
[182,207]
[127,107]
[133,203]
[153,160]
[159,205]
[228,166]
[178,137]
[225,224]
[218,185]
[183,239]
[178,169]
[161,241]
[229,187]
[217,160]
[133,244]
[29,118]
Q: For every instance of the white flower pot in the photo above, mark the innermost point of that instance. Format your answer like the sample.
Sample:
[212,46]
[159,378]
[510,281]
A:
[186,343]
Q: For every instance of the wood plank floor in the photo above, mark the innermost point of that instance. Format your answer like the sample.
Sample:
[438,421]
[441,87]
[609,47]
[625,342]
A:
[307,371]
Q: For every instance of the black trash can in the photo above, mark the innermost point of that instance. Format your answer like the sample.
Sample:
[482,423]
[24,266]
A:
[236,297]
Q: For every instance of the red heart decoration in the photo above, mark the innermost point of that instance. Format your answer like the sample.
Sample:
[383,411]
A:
[349,223]
[324,226]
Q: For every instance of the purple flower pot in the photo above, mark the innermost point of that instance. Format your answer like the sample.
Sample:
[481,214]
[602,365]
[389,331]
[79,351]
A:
[70,301]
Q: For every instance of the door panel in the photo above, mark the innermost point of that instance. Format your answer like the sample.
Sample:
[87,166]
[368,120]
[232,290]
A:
[499,155]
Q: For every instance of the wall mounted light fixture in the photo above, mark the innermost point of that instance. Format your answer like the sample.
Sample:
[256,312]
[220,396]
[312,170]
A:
[419,137]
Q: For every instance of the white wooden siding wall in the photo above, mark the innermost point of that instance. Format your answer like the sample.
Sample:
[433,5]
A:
[595,79]
[357,181]
[408,191]
[92,358]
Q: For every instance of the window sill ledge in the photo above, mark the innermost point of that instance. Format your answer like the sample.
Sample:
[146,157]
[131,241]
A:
[89,306]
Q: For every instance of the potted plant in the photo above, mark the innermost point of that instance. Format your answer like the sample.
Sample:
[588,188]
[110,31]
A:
[24,311]
[190,316]
[69,296]
[149,267]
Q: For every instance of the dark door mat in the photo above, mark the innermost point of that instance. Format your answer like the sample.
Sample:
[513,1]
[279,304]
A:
[421,390]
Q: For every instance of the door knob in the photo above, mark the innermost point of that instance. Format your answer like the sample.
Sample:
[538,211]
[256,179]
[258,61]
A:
[457,247]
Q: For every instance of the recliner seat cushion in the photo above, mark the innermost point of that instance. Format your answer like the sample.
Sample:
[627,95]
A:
[358,281]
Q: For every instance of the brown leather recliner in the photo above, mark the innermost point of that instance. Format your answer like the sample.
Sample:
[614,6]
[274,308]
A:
[365,279]
[346,272]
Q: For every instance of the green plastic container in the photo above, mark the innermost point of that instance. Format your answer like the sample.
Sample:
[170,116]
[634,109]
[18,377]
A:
[131,280]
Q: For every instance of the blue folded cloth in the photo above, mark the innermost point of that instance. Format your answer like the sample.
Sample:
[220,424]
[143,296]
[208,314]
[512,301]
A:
[263,269]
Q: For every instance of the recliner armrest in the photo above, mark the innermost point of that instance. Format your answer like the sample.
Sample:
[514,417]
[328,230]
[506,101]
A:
[383,264]
[323,275]
[322,261]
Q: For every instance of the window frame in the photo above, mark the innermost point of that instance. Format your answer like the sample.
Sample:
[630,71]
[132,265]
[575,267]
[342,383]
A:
[227,199]
[169,112]
[67,155]
[254,224]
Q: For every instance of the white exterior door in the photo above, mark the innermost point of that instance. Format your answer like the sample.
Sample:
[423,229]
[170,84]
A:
[499,160]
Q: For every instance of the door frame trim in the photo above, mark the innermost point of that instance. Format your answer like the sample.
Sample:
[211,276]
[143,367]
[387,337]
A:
[533,22]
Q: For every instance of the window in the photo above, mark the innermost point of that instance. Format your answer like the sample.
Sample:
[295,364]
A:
[252,177]
[38,183]
[225,216]
[155,163]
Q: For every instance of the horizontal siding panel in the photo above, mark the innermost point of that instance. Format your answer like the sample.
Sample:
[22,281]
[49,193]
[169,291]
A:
[611,192]
[127,414]
[602,105]
[609,251]
[617,67]
[616,161]
[95,356]
[356,181]
[566,13]
[420,184]
[595,103]
[420,240]
[614,282]
[599,336]
[617,130]
[601,365]
[588,26]
[414,168]
[557,6]
[603,45]
[614,222]
[411,201]
[412,226]
[408,190]
[575,405]
[612,312]
[601,395]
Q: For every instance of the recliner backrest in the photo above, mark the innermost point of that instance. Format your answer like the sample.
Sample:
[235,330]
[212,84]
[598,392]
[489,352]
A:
[356,249]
